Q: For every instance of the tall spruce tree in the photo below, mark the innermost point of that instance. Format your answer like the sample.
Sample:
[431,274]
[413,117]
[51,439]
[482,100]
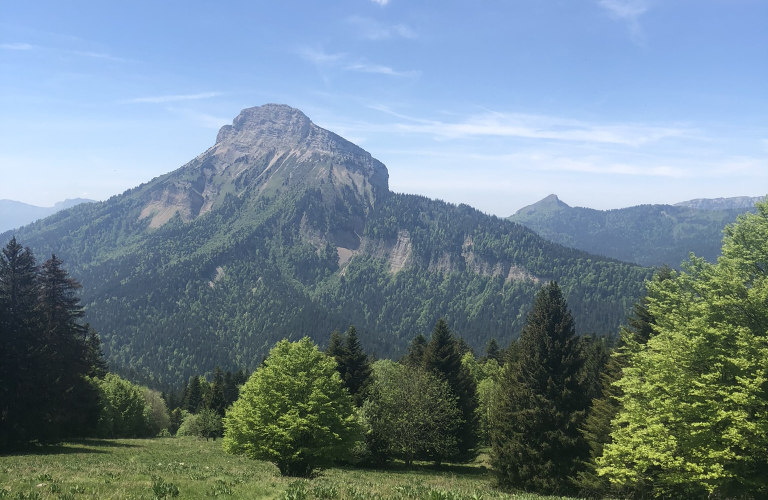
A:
[443,357]
[415,354]
[45,353]
[356,367]
[66,352]
[193,398]
[21,342]
[352,362]
[535,437]
[215,399]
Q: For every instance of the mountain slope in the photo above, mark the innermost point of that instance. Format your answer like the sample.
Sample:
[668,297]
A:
[16,214]
[283,229]
[649,235]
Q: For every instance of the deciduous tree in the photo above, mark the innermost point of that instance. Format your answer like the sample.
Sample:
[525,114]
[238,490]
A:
[293,412]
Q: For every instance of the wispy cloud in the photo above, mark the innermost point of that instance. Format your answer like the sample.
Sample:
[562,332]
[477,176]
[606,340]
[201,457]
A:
[340,60]
[97,55]
[625,9]
[173,98]
[319,57]
[381,2]
[380,69]
[540,127]
[629,11]
[16,46]
[81,53]
[372,30]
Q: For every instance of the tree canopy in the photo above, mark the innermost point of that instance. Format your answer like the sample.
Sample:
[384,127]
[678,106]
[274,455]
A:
[293,411]
[694,410]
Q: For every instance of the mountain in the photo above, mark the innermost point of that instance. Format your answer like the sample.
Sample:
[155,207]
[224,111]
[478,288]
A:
[743,203]
[283,229]
[649,235]
[16,214]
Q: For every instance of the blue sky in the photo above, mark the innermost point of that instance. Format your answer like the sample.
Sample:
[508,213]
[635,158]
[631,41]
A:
[607,103]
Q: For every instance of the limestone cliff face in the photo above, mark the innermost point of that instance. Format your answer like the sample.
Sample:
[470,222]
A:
[267,150]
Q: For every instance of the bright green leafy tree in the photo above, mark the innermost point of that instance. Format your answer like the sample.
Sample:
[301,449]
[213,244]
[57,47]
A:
[293,412]
[694,410]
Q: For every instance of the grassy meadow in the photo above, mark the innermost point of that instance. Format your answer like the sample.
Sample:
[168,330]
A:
[190,468]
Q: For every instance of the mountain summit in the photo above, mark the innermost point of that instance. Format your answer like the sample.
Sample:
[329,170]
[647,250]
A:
[282,229]
[546,205]
[268,149]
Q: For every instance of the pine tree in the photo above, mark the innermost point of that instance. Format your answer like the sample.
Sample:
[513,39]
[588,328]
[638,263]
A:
[415,351]
[335,347]
[215,399]
[493,351]
[193,400]
[66,352]
[442,357]
[355,368]
[535,436]
[21,342]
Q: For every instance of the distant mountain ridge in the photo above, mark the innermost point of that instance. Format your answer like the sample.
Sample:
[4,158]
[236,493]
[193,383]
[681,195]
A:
[15,214]
[736,203]
[649,235]
[283,229]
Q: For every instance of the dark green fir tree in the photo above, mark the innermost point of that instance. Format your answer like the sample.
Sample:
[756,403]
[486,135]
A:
[355,367]
[535,431]
[442,356]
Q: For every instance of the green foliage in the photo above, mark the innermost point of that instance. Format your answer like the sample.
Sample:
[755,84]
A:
[124,411]
[155,412]
[190,425]
[598,426]
[410,413]
[209,424]
[694,410]
[293,412]
[535,436]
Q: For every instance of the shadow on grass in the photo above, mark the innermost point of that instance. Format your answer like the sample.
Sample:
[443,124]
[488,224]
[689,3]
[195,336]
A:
[71,447]
[424,468]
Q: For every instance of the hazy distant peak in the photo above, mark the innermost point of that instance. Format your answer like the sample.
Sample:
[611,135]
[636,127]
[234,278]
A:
[736,202]
[550,203]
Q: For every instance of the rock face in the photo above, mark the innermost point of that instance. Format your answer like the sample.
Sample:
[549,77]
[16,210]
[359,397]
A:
[270,148]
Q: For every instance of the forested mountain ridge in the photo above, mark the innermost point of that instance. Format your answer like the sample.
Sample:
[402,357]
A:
[283,229]
[649,235]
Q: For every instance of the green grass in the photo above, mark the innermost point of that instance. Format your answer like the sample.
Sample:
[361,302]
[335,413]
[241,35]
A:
[189,468]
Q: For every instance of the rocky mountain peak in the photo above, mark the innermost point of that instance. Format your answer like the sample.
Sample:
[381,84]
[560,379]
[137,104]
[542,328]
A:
[267,123]
[267,150]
